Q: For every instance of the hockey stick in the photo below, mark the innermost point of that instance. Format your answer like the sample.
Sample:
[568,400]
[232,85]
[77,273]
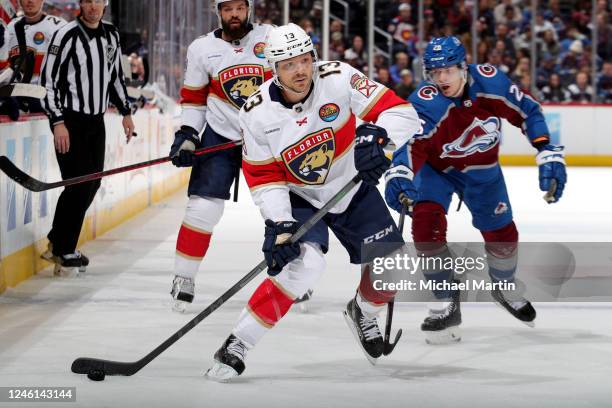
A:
[388,346]
[35,185]
[25,90]
[85,365]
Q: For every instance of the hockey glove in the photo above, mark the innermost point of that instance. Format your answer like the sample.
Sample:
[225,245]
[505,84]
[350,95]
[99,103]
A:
[370,159]
[276,247]
[399,188]
[185,142]
[551,166]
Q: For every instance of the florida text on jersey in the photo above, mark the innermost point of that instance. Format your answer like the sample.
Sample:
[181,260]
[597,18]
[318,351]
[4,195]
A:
[307,148]
[220,76]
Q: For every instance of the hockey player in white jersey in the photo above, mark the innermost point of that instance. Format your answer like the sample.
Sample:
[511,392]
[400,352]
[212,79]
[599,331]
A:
[224,68]
[301,145]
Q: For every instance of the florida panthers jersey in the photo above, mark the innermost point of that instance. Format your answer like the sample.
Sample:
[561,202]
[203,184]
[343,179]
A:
[220,76]
[464,133]
[37,38]
[307,148]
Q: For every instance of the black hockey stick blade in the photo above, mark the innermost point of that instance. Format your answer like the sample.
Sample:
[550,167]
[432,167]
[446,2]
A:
[85,365]
[387,345]
[35,185]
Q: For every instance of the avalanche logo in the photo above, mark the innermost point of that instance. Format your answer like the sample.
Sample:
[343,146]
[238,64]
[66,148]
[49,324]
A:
[241,81]
[39,38]
[329,112]
[487,70]
[428,92]
[480,137]
[258,50]
[310,159]
[501,208]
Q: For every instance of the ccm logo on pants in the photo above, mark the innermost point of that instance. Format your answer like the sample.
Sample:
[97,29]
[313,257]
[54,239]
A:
[378,235]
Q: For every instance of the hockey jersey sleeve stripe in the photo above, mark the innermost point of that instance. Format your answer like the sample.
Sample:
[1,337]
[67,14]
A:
[384,100]
[264,174]
[345,137]
[194,96]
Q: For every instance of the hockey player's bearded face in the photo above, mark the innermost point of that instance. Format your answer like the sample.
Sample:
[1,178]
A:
[295,74]
[31,8]
[234,18]
[449,80]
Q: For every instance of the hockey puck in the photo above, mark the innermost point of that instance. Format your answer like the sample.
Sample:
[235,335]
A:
[96,375]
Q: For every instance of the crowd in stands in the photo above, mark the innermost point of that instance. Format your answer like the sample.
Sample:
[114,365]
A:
[563,33]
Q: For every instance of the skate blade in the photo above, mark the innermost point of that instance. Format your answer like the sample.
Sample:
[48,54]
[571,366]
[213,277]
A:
[220,372]
[63,272]
[349,323]
[179,306]
[530,324]
[446,336]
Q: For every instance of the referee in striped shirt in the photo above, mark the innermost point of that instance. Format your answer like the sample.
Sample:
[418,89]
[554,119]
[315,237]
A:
[81,72]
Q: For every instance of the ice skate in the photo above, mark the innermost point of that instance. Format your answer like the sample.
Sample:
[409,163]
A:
[302,301]
[64,265]
[229,360]
[183,291]
[442,326]
[516,305]
[365,330]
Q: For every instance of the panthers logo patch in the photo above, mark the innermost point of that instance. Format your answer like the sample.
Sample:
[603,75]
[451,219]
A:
[241,81]
[479,137]
[310,159]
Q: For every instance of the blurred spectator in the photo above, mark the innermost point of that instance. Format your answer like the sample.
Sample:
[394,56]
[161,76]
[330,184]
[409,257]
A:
[383,76]
[459,18]
[545,68]
[550,44]
[402,30]
[495,59]
[502,33]
[136,67]
[580,90]
[604,35]
[572,61]
[542,25]
[309,27]
[522,68]
[357,51]
[507,13]
[336,46]
[401,62]
[604,84]
[406,85]
[554,91]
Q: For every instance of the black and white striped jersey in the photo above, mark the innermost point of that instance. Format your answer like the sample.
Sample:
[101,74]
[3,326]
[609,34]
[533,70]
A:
[83,70]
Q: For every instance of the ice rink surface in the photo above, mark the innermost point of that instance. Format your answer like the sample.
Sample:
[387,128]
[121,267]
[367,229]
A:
[121,310]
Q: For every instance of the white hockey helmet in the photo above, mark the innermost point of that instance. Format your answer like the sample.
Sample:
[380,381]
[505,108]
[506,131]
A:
[286,42]
[219,2]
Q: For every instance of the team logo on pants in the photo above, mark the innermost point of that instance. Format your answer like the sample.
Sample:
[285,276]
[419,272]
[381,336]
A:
[479,137]
[310,159]
[241,81]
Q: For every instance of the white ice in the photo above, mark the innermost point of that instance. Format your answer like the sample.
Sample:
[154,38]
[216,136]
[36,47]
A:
[121,310]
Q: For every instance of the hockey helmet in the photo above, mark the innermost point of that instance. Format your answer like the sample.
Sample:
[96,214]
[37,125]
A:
[443,52]
[286,42]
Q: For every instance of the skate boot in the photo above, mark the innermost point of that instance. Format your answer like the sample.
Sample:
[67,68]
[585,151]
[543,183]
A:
[229,360]
[442,326]
[365,330]
[516,305]
[183,291]
[64,264]
[302,301]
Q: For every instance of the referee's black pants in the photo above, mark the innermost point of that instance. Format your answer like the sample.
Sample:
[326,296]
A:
[85,156]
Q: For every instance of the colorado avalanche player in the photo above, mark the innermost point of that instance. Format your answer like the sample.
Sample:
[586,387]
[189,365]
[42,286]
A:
[224,68]
[301,145]
[460,107]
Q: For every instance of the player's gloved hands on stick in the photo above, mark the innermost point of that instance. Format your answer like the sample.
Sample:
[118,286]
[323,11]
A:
[185,142]
[399,188]
[277,249]
[370,159]
[551,166]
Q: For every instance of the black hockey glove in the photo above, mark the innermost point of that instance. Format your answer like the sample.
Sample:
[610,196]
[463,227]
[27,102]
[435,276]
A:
[185,142]
[276,247]
[370,159]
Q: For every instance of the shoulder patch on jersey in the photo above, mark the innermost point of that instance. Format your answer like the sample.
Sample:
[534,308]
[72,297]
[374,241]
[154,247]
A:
[363,85]
[479,137]
[39,38]
[241,81]
[310,159]
[258,49]
[486,70]
[427,92]
[329,112]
